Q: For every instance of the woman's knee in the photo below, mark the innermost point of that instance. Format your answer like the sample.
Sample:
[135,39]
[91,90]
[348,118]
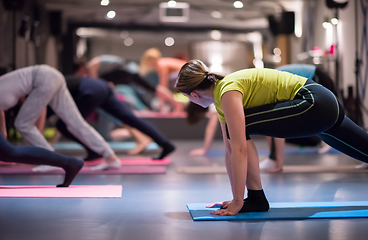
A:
[21,126]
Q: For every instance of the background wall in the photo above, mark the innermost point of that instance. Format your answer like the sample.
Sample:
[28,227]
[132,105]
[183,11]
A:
[31,48]
[99,46]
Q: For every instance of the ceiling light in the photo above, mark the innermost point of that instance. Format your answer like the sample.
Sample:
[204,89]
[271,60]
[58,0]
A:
[104,2]
[171,3]
[216,14]
[238,4]
[111,14]
[334,21]
[326,24]
[216,35]
[169,41]
[128,42]
[124,34]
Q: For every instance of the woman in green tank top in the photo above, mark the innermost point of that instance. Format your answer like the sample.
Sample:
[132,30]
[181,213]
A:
[270,103]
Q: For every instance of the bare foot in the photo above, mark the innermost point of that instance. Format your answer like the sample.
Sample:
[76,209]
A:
[120,134]
[140,146]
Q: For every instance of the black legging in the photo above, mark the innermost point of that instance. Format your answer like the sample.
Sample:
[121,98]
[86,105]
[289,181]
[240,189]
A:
[325,80]
[314,111]
[119,76]
[95,93]
[39,156]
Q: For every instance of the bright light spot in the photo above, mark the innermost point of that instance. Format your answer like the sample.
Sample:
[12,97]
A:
[326,24]
[90,32]
[171,3]
[329,37]
[334,21]
[169,41]
[216,14]
[216,35]
[238,4]
[298,26]
[81,47]
[104,2]
[111,14]
[258,63]
[81,32]
[128,42]
[316,60]
[216,61]
[277,58]
[124,34]
[277,51]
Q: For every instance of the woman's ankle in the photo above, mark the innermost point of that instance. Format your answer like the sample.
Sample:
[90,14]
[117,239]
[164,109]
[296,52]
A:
[112,158]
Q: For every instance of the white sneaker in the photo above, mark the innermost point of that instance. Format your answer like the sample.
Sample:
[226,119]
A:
[362,166]
[267,164]
[45,168]
[105,166]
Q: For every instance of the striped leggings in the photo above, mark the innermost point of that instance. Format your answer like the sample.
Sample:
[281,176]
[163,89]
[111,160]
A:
[314,111]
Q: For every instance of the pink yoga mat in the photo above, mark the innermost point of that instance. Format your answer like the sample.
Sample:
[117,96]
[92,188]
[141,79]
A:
[161,115]
[133,161]
[124,161]
[24,169]
[73,191]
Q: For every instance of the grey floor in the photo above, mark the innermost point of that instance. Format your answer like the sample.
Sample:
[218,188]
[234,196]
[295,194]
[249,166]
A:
[154,206]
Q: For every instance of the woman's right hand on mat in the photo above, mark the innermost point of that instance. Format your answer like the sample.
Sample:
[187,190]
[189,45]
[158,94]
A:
[198,152]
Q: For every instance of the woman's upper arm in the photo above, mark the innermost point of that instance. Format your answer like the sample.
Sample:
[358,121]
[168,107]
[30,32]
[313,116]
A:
[163,73]
[233,109]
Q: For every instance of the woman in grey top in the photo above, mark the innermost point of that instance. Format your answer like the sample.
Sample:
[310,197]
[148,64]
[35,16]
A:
[44,85]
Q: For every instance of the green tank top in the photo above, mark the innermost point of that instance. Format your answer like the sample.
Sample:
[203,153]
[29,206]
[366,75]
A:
[259,86]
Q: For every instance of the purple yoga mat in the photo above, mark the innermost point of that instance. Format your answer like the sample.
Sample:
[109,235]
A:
[87,170]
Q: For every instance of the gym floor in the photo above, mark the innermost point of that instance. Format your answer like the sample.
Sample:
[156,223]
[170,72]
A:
[154,206]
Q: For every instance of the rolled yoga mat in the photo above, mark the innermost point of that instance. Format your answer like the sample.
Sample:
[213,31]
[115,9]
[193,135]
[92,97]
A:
[286,169]
[86,170]
[124,161]
[73,191]
[287,211]
[133,161]
[114,145]
[288,151]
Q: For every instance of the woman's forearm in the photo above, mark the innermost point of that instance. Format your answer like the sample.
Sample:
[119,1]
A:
[229,170]
[239,173]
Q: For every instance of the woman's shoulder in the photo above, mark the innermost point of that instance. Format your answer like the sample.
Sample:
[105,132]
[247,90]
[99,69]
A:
[240,74]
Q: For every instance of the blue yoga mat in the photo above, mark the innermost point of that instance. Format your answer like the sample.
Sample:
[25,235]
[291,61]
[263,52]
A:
[287,211]
[289,151]
[113,145]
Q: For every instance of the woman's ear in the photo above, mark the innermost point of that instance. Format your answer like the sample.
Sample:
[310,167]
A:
[195,94]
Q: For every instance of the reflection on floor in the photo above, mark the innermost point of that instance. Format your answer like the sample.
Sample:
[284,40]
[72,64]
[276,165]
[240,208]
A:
[154,206]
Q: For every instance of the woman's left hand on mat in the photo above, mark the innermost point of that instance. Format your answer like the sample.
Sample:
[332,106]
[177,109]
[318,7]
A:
[232,209]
